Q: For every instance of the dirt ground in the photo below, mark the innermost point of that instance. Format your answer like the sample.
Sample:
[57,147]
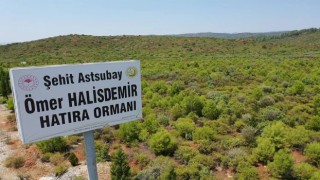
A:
[5,150]
[10,146]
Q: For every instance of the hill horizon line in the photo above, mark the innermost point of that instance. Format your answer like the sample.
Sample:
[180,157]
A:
[223,35]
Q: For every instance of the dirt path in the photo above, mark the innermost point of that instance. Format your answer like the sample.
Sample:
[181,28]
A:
[5,149]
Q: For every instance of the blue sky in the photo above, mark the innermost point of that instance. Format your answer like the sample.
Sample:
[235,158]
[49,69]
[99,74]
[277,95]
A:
[25,20]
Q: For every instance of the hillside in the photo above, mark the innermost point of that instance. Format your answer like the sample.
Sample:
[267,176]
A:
[90,48]
[212,108]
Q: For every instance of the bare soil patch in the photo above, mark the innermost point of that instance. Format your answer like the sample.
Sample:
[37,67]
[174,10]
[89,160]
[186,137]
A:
[11,146]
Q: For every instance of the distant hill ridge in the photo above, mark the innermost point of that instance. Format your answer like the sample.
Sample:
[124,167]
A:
[230,35]
[276,34]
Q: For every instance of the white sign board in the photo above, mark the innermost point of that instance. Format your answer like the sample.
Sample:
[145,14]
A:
[61,100]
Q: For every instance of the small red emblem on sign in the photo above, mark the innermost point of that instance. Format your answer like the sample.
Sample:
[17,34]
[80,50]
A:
[28,82]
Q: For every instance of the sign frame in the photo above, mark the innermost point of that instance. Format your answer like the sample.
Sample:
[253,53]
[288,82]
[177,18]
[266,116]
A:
[119,90]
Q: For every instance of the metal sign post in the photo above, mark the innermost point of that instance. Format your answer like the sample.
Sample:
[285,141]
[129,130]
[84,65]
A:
[90,155]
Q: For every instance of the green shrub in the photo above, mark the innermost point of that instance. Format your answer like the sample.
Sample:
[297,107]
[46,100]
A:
[159,87]
[297,137]
[144,135]
[206,146]
[248,119]
[245,171]
[236,108]
[264,151]
[303,171]
[239,125]
[73,140]
[220,126]
[185,153]
[204,133]
[119,167]
[277,133]
[271,113]
[164,120]
[10,104]
[249,134]
[316,105]
[3,100]
[266,89]
[282,165]
[314,123]
[210,110]
[60,170]
[257,93]
[315,176]
[57,144]
[162,143]
[297,88]
[142,159]
[185,127]
[193,103]
[161,168]
[312,152]
[151,124]
[56,158]
[73,159]
[46,157]
[102,151]
[176,112]
[187,172]
[107,134]
[266,101]
[203,161]
[176,87]
[129,132]
[4,82]
[234,156]
[14,162]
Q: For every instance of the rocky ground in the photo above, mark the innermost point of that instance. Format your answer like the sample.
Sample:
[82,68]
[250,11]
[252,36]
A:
[10,145]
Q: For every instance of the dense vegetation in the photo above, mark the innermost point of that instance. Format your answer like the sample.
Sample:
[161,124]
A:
[209,105]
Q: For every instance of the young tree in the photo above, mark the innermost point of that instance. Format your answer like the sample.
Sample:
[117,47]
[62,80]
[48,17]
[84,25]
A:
[276,132]
[297,137]
[297,88]
[204,133]
[265,150]
[210,110]
[185,153]
[58,144]
[314,123]
[120,169]
[176,111]
[316,105]
[73,159]
[4,83]
[312,153]
[161,168]
[193,103]
[185,127]
[282,165]
[151,124]
[162,143]
[245,171]
[303,171]
[129,132]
